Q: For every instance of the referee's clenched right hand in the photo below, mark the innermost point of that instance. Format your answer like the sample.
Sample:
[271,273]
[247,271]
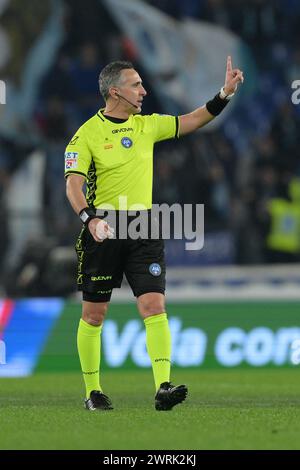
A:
[100,230]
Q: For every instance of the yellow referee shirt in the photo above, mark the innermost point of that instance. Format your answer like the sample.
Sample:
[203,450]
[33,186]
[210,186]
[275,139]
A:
[116,158]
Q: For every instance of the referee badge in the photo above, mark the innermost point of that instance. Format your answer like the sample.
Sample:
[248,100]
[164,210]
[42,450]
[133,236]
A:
[126,142]
[155,269]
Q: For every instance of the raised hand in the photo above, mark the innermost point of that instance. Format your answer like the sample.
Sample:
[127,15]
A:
[232,78]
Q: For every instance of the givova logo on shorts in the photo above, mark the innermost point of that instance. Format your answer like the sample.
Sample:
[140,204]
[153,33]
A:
[101,278]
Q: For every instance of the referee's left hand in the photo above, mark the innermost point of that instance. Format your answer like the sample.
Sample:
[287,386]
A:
[232,78]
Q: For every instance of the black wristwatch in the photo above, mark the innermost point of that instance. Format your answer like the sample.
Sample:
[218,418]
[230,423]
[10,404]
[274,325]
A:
[86,215]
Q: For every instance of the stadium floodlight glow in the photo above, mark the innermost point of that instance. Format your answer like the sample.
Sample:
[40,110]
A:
[2,92]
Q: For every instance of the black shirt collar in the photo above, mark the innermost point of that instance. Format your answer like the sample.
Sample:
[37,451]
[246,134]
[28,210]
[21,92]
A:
[110,118]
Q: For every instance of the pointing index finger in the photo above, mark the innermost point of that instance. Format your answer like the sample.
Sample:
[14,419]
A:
[229,65]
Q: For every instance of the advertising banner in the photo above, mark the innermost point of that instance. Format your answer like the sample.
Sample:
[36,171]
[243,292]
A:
[39,335]
[204,335]
[25,326]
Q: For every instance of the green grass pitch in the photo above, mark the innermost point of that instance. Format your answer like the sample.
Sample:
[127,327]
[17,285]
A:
[226,409]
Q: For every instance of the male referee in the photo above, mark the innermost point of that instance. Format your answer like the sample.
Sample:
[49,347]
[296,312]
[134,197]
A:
[112,153]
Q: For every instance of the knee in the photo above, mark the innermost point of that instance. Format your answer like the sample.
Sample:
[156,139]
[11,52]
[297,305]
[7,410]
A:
[94,314]
[150,307]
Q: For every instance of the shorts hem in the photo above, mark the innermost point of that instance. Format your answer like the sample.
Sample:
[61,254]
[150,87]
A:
[147,290]
[96,297]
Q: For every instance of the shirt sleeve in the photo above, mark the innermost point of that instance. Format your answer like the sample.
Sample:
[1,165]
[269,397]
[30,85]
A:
[164,126]
[77,155]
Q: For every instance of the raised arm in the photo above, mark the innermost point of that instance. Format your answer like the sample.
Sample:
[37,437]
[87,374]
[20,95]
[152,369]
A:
[201,116]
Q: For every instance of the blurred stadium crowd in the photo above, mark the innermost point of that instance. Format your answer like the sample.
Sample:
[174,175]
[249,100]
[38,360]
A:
[247,186]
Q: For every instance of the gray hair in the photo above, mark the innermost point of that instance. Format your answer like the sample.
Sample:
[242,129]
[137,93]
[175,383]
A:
[110,76]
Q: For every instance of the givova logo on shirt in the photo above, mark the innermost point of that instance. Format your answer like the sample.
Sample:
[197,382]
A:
[71,160]
[126,142]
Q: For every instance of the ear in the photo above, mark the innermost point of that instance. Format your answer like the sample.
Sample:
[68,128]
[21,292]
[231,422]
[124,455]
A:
[113,92]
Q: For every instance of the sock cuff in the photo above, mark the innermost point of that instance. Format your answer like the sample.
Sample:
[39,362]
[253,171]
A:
[88,329]
[155,319]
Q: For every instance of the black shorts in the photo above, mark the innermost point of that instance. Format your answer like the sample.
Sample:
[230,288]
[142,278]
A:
[101,266]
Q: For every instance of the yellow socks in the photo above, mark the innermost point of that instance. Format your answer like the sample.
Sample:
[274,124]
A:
[158,341]
[89,344]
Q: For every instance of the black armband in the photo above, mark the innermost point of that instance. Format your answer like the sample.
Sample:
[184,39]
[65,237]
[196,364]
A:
[86,215]
[216,105]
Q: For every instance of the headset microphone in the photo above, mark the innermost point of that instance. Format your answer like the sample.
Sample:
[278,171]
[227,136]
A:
[120,96]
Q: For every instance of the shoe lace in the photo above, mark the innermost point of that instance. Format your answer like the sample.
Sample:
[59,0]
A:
[166,385]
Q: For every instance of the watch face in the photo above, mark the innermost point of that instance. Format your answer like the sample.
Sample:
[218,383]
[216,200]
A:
[84,216]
